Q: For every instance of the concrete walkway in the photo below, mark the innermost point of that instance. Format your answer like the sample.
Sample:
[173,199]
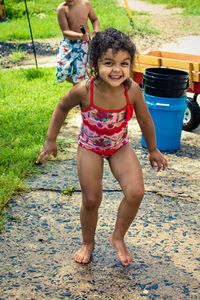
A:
[43,231]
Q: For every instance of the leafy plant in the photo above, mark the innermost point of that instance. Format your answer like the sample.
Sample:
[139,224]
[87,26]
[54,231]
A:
[69,191]
[16,56]
[31,74]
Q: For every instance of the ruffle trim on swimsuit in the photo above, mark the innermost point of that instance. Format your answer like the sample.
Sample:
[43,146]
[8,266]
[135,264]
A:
[130,107]
[105,131]
[103,153]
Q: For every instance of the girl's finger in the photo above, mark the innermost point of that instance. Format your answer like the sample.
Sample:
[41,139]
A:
[55,153]
[159,166]
[46,157]
[152,163]
[40,157]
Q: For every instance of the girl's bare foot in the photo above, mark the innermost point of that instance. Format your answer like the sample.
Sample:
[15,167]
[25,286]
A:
[122,252]
[83,255]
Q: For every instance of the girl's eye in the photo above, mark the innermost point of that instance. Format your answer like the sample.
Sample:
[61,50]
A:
[108,63]
[125,64]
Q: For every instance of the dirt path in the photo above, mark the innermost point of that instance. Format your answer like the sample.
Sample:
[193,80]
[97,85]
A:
[143,6]
[167,21]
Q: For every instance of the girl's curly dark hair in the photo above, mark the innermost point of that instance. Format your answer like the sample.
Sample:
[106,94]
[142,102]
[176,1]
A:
[110,38]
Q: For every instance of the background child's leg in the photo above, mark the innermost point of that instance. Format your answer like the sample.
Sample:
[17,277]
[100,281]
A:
[81,63]
[64,62]
[127,170]
[90,169]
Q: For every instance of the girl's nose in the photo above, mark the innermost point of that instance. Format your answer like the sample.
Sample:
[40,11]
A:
[116,68]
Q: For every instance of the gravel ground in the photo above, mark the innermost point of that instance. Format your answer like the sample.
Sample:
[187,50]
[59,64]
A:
[47,48]
[43,231]
[43,49]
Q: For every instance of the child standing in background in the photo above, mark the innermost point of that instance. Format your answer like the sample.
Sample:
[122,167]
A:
[107,101]
[72,59]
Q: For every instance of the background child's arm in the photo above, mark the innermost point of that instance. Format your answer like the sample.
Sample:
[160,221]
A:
[147,127]
[70,100]
[94,20]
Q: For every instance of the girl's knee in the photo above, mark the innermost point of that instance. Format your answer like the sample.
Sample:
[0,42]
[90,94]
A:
[91,202]
[135,195]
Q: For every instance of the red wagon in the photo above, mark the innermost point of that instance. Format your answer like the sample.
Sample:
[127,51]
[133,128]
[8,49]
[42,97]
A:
[187,62]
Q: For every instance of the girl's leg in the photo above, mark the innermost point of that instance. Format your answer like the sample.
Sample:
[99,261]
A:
[90,170]
[127,170]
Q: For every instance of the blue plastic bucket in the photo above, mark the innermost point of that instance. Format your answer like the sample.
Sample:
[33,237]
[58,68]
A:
[167,115]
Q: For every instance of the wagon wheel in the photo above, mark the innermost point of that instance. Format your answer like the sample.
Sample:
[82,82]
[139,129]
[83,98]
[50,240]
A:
[191,118]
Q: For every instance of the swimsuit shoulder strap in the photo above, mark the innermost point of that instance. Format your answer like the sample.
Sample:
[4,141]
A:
[126,93]
[92,91]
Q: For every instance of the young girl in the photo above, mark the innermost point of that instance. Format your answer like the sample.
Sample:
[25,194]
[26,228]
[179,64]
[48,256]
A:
[107,101]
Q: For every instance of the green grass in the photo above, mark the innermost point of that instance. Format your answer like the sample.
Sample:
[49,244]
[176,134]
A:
[18,29]
[44,21]
[190,7]
[26,106]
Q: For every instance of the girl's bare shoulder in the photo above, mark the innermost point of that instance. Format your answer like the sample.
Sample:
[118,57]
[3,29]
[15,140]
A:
[82,88]
[81,92]
[134,92]
[77,95]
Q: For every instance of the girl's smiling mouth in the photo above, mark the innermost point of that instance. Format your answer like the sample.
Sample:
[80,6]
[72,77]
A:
[115,77]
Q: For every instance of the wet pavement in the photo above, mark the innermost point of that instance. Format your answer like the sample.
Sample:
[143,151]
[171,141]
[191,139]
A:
[43,231]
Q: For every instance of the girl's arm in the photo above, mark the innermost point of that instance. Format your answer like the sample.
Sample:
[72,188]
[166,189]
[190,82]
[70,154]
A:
[71,99]
[147,127]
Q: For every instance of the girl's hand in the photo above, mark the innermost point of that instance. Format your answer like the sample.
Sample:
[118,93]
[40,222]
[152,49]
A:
[48,148]
[156,156]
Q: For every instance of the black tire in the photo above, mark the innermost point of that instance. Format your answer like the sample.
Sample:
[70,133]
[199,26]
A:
[191,118]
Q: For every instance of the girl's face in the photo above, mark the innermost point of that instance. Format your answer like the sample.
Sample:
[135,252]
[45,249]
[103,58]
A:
[114,68]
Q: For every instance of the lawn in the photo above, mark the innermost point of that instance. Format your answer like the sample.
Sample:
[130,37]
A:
[44,22]
[26,106]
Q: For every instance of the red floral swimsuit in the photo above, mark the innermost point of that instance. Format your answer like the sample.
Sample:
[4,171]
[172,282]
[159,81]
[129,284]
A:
[104,131]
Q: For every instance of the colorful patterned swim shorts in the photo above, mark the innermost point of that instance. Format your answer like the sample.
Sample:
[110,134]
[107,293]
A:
[72,60]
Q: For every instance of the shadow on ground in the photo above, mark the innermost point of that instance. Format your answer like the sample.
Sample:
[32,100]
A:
[43,231]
